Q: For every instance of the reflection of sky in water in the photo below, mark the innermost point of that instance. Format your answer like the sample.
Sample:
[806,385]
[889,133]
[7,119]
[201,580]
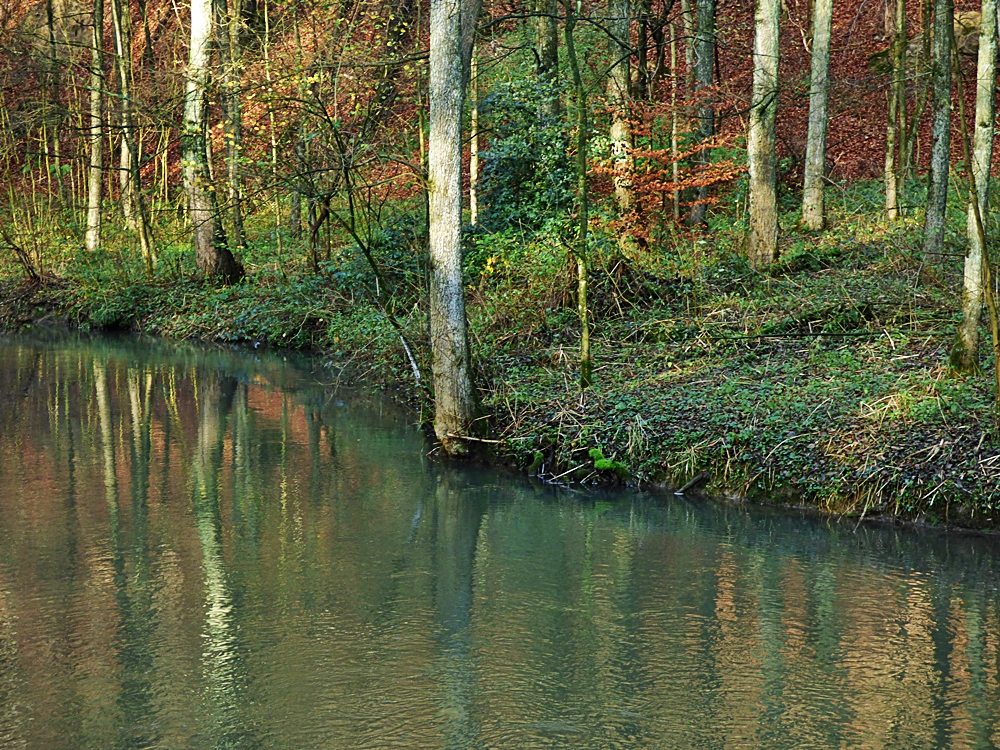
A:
[203,550]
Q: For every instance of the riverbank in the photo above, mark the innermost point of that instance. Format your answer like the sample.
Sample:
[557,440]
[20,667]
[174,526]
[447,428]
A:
[821,383]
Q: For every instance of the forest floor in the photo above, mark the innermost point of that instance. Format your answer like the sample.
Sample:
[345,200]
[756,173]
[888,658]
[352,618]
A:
[822,382]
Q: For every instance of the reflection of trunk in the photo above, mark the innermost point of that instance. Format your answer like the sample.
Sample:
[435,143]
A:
[964,351]
[95,172]
[547,51]
[763,245]
[937,180]
[815,167]
[212,257]
[451,26]
[704,78]
[457,520]
[618,99]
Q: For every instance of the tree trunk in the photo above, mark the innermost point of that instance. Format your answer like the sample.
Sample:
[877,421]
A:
[619,95]
[704,78]
[937,180]
[815,167]
[454,401]
[895,134]
[135,213]
[232,95]
[212,258]
[763,244]
[547,53]
[921,87]
[964,351]
[96,168]
[474,145]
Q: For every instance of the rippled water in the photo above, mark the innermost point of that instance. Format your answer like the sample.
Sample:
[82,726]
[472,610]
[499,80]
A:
[208,549]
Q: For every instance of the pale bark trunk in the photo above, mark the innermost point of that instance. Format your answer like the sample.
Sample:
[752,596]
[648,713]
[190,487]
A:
[474,145]
[618,99]
[704,78]
[454,401]
[964,353]
[212,257]
[95,173]
[819,88]
[232,87]
[763,241]
[135,210]
[937,181]
[895,133]
[547,52]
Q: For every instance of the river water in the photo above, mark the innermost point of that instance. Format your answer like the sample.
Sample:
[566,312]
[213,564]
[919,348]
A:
[203,548]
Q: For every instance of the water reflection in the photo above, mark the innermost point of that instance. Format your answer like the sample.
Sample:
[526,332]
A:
[205,549]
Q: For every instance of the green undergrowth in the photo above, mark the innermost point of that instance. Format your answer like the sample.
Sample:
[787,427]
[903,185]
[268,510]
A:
[821,382]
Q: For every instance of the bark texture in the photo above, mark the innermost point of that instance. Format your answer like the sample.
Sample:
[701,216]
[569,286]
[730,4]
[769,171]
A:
[95,170]
[895,132]
[212,257]
[618,91]
[937,179]
[763,241]
[819,90]
[547,56]
[964,352]
[451,29]
[704,80]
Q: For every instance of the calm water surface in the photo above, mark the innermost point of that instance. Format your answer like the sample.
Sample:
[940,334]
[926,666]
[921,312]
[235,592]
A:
[211,549]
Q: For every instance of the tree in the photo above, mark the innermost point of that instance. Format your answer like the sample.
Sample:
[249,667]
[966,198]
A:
[937,180]
[452,30]
[964,351]
[95,169]
[619,48]
[895,133]
[547,56]
[212,258]
[232,13]
[763,244]
[704,80]
[819,88]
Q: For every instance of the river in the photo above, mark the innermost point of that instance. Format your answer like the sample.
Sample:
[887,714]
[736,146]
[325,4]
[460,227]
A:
[214,548]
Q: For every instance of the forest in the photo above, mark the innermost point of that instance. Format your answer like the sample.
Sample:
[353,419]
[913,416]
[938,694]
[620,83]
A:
[703,244]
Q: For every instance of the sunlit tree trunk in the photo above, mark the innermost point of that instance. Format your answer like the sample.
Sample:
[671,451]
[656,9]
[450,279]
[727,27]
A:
[763,242]
[819,88]
[963,356]
[95,171]
[232,95]
[451,27]
[704,78]
[895,132]
[132,199]
[474,144]
[937,180]
[619,95]
[580,253]
[547,52]
[212,257]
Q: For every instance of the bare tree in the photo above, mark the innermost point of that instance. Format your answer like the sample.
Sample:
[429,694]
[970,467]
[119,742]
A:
[819,90]
[763,243]
[95,170]
[937,180]
[895,132]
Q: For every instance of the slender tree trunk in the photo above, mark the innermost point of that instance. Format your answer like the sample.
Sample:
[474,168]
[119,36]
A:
[212,258]
[95,136]
[233,92]
[763,243]
[964,351]
[921,90]
[641,83]
[454,400]
[937,181]
[121,18]
[619,96]
[56,103]
[547,55]
[580,95]
[704,78]
[474,144]
[899,92]
[674,145]
[819,89]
